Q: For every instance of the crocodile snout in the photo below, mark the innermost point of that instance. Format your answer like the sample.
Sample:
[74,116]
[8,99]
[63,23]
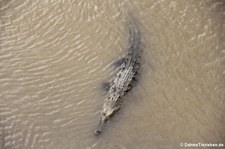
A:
[101,124]
[97,132]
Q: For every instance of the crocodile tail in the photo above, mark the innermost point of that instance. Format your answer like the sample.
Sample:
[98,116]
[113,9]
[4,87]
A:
[134,37]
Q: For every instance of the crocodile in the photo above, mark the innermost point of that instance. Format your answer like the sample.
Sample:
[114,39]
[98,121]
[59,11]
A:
[124,79]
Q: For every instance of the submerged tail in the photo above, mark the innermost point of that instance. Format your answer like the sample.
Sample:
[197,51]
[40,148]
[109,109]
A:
[134,36]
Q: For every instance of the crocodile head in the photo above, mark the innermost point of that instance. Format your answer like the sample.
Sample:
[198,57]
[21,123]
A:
[108,110]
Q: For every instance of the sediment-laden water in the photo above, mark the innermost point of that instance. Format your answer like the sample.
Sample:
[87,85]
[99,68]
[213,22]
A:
[55,54]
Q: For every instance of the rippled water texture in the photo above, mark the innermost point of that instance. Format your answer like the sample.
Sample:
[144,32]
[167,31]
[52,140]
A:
[54,55]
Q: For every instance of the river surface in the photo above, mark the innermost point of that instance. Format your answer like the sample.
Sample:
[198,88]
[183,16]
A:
[55,54]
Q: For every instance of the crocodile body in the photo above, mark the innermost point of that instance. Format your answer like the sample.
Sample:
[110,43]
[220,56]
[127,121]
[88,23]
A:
[123,80]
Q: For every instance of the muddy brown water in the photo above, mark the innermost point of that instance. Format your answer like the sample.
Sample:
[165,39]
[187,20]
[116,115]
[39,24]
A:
[54,55]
